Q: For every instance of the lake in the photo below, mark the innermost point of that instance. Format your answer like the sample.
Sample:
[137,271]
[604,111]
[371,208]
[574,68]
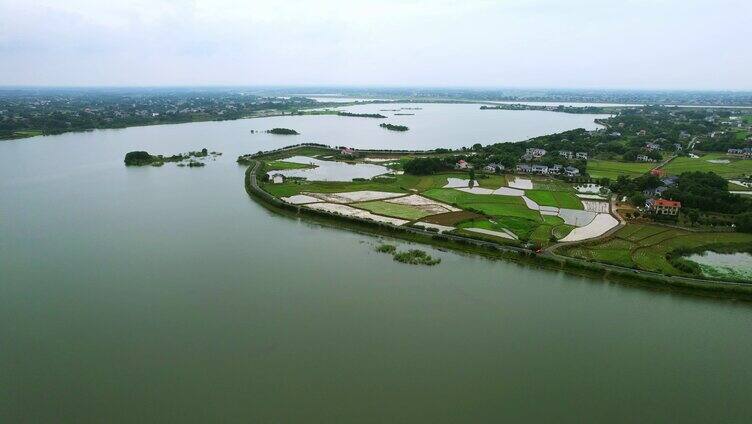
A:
[168,295]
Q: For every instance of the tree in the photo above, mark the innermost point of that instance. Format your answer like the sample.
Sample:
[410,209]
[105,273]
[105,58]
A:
[471,183]
[424,166]
[637,199]
[744,222]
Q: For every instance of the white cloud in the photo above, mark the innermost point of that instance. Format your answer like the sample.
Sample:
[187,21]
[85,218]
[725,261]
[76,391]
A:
[579,43]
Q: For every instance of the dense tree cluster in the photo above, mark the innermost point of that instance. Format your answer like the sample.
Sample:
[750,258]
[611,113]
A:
[427,166]
[282,131]
[707,192]
[393,127]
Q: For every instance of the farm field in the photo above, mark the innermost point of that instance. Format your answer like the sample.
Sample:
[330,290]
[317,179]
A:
[392,209]
[559,199]
[644,246]
[488,204]
[735,168]
[507,214]
[612,169]
[493,181]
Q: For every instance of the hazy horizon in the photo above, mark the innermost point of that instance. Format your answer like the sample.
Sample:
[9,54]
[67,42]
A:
[674,45]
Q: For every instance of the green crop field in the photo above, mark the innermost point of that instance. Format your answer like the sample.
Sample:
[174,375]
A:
[735,168]
[559,199]
[487,204]
[612,169]
[391,209]
[644,246]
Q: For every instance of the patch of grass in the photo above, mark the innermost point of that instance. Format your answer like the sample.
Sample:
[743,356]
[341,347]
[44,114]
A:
[27,133]
[493,181]
[552,219]
[381,207]
[612,169]
[386,248]
[416,257]
[541,234]
[735,168]
[560,231]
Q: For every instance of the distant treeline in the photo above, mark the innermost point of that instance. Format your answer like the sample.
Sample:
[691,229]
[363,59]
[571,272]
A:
[559,108]
[361,115]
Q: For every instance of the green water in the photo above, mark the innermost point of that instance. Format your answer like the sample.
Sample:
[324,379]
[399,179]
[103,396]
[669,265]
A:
[167,295]
[734,265]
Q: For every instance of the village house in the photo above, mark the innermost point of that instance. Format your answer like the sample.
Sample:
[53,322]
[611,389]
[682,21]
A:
[461,164]
[663,206]
[493,167]
[540,169]
[566,153]
[670,181]
[523,168]
[571,171]
[582,155]
[556,169]
[641,132]
[643,158]
[347,151]
[535,152]
[615,134]
[744,153]
[652,146]
[678,147]
[655,192]
[277,178]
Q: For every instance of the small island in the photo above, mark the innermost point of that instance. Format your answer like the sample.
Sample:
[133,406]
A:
[143,158]
[361,115]
[393,127]
[282,131]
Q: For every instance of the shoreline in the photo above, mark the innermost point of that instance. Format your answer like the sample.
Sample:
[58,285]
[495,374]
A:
[545,260]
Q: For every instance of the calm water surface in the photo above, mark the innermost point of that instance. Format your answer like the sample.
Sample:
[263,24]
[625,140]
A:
[167,295]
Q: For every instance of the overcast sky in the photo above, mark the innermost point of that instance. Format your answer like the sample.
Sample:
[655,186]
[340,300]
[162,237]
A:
[674,44]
